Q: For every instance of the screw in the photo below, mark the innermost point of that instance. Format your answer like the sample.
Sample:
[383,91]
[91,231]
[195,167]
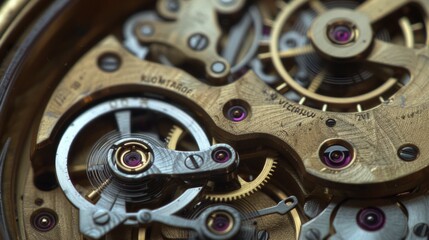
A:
[227,2]
[101,217]
[263,235]
[198,42]
[218,67]
[331,122]
[312,208]
[109,62]
[421,230]
[146,29]
[173,5]
[194,162]
[408,152]
[291,43]
[312,234]
[145,217]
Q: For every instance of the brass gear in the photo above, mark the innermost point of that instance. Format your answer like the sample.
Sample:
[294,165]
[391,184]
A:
[173,137]
[246,188]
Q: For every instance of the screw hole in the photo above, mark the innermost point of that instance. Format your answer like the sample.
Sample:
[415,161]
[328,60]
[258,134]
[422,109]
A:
[46,181]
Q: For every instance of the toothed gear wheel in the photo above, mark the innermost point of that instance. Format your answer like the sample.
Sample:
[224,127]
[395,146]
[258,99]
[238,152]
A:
[246,188]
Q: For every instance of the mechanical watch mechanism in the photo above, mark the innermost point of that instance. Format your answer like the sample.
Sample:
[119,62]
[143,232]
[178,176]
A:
[214,119]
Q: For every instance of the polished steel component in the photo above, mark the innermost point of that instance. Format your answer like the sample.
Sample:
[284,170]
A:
[199,36]
[117,105]
[246,187]
[394,222]
[203,223]
[140,110]
[358,43]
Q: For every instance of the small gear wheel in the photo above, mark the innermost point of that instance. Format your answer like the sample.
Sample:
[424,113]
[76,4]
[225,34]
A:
[246,187]
[173,137]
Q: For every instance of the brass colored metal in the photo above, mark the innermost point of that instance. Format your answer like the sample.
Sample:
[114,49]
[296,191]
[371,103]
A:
[364,48]
[246,188]
[387,141]
[174,136]
[95,194]
[361,33]
[278,226]
[194,32]
[272,115]
[376,10]
[8,12]
[212,219]
[142,158]
[296,219]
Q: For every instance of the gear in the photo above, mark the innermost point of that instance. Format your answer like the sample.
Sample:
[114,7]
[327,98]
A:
[173,137]
[246,188]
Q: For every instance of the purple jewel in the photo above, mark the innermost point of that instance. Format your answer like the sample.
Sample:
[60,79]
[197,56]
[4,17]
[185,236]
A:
[221,155]
[220,223]
[237,113]
[341,34]
[132,159]
[371,219]
[337,156]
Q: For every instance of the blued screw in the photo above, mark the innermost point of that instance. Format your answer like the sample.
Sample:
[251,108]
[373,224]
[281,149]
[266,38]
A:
[408,152]
[312,234]
[421,230]
[101,217]
[198,42]
[263,235]
[194,162]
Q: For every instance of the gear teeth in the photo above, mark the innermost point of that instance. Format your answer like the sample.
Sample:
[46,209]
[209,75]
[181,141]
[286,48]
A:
[249,188]
[173,137]
[171,134]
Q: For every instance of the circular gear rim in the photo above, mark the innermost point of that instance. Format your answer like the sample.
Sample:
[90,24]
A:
[246,188]
[61,160]
[306,94]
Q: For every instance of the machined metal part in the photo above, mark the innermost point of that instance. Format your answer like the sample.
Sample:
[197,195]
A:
[366,168]
[172,163]
[319,53]
[201,224]
[160,155]
[217,119]
[246,187]
[4,233]
[131,42]
[196,21]
[390,224]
